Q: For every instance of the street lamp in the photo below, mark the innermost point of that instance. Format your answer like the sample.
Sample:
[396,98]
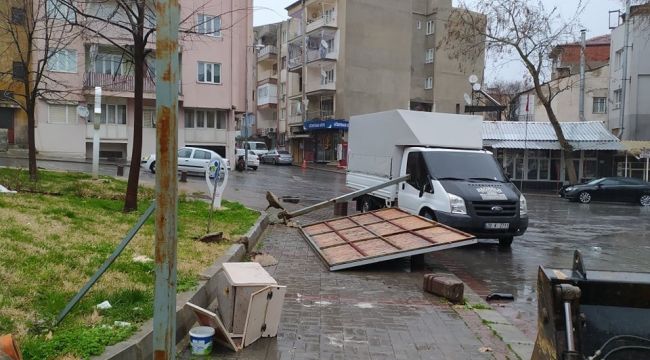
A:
[256,48]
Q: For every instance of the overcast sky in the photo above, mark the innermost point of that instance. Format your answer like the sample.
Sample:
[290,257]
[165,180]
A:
[595,19]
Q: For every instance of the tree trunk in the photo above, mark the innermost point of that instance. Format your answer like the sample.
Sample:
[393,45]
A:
[567,153]
[131,199]
[31,142]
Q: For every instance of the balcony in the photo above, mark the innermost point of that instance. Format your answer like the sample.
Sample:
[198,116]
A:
[325,20]
[267,52]
[267,96]
[205,136]
[108,132]
[321,54]
[295,119]
[294,63]
[117,83]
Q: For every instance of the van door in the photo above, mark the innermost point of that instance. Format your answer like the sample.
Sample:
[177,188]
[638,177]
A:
[409,193]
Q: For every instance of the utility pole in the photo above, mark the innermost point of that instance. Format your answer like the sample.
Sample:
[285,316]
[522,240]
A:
[164,316]
[96,124]
[626,47]
[583,45]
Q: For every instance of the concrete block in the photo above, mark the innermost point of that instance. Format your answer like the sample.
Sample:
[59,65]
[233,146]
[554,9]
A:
[4,139]
[447,287]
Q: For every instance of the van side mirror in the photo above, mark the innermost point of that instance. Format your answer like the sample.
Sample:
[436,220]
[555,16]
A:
[421,191]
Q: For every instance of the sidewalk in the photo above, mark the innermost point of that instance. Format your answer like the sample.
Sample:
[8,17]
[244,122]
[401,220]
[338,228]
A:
[377,312]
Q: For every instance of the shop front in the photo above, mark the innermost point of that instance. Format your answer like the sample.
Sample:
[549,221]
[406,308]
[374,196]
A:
[328,138]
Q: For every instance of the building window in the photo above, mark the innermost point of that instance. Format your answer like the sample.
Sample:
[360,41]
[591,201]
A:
[284,36]
[428,83]
[618,59]
[18,70]
[430,27]
[111,114]
[428,58]
[56,10]
[617,99]
[209,73]
[17,16]
[327,77]
[283,62]
[600,105]
[418,25]
[109,64]
[209,25]
[205,119]
[149,118]
[61,114]
[62,60]
[330,45]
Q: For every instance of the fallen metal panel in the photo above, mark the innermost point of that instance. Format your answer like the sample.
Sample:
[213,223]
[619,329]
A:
[378,236]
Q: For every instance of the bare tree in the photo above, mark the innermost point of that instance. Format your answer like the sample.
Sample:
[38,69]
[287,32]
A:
[530,31]
[506,93]
[35,35]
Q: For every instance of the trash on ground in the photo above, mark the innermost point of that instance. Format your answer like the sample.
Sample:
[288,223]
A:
[104,305]
[264,259]
[250,305]
[290,199]
[212,237]
[485,349]
[500,296]
[5,190]
[122,323]
[142,259]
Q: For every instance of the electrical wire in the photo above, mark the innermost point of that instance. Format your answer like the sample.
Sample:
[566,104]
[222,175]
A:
[629,347]
[614,338]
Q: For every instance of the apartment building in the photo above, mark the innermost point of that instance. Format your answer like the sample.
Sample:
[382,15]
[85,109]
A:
[12,118]
[215,39]
[268,126]
[339,58]
[636,122]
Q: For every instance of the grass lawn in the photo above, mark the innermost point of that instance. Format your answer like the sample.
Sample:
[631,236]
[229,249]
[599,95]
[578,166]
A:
[54,234]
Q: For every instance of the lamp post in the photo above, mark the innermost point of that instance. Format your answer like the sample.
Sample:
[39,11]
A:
[256,48]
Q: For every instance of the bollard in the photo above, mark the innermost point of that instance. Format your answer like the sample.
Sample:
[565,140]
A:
[183,176]
[341,208]
[120,170]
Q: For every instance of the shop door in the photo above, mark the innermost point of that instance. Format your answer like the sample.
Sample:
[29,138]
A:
[7,122]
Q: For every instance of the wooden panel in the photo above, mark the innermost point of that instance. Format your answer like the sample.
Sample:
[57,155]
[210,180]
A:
[247,273]
[379,235]
[342,253]
[242,301]
[255,316]
[208,318]
[341,224]
[274,311]
[226,299]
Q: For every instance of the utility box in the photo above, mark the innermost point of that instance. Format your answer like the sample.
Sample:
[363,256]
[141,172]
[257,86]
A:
[239,287]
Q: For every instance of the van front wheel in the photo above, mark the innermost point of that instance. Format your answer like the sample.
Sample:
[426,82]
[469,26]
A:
[428,214]
[506,241]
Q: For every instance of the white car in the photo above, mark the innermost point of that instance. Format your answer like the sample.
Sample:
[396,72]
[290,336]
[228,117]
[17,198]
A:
[253,160]
[190,159]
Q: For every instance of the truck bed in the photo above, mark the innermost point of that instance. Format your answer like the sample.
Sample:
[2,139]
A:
[358,181]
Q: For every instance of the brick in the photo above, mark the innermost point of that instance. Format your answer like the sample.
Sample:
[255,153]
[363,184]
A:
[447,287]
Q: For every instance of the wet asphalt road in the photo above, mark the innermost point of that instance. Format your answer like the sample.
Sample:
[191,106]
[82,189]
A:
[610,236]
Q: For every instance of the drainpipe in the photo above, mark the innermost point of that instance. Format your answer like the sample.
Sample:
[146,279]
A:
[583,44]
[626,46]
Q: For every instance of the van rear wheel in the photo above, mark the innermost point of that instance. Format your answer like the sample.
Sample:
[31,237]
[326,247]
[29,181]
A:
[506,241]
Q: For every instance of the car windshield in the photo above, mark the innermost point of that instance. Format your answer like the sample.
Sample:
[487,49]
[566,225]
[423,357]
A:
[463,165]
[258,146]
[283,152]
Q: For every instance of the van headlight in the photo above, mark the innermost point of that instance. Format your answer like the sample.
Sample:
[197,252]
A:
[457,204]
[523,205]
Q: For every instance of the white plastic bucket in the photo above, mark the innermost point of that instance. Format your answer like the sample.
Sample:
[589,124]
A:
[201,340]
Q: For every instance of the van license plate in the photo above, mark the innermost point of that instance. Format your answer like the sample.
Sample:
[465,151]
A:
[497,226]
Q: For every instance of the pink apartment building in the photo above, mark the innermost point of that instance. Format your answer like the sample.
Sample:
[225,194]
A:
[212,87]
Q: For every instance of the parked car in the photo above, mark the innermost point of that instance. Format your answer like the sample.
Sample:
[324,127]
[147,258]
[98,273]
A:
[277,157]
[622,189]
[190,159]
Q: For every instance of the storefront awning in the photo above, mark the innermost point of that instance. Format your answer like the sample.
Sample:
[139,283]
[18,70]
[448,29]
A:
[314,125]
[636,148]
[552,145]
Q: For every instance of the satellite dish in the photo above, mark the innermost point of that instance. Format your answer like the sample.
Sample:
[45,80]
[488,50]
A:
[473,79]
[476,87]
[83,111]
[323,73]
[323,43]
[468,99]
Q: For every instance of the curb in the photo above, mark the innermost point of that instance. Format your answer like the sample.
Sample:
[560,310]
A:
[325,169]
[4,155]
[520,345]
[140,345]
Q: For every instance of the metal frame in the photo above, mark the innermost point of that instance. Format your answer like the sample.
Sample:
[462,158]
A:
[380,258]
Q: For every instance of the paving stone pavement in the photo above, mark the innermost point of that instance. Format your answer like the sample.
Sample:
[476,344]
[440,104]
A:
[377,312]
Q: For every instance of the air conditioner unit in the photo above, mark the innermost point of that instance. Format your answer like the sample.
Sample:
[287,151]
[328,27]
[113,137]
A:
[270,130]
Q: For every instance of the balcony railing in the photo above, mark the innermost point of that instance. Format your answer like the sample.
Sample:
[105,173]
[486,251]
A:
[294,62]
[121,83]
[320,114]
[267,50]
[267,94]
[329,20]
[313,55]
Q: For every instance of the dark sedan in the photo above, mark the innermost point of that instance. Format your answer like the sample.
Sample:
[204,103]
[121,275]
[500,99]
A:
[621,189]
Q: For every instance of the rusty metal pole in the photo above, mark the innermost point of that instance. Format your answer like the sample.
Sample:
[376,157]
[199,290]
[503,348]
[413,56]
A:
[167,75]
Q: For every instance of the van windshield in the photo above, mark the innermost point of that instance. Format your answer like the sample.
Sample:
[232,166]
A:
[258,146]
[459,165]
